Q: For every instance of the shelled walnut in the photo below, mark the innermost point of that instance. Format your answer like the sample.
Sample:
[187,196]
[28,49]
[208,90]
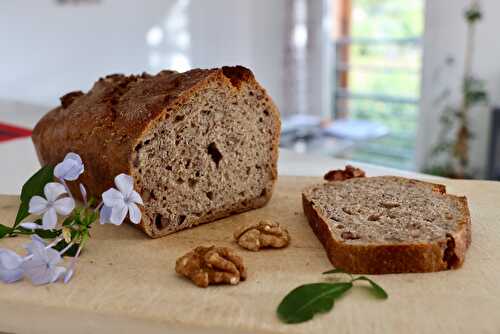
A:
[264,234]
[211,265]
[348,172]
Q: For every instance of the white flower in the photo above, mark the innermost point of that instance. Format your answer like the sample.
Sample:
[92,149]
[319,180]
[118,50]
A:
[41,267]
[10,266]
[70,168]
[104,214]
[35,239]
[123,200]
[68,275]
[51,206]
[30,226]
[71,268]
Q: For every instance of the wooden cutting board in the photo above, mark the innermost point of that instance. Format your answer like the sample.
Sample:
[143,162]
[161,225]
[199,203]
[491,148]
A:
[126,282]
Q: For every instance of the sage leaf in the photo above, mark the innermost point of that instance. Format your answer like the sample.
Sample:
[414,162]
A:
[335,271]
[4,230]
[376,289]
[302,303]
[33,187]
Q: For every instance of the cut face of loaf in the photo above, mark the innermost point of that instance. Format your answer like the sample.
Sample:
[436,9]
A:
[389,224]
[200,145]
[214,158]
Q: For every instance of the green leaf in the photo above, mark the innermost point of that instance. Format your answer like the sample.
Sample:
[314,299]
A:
[68,221]
[335,271]
[21,213]
[47,234]
[377,290]
[91,202]
[70,252]
[302,303]
[4,230]
[32,187]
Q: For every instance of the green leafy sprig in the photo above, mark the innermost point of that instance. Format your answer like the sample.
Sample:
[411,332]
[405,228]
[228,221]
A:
[450,156]
[303,302]
[47,195]
[75,227]
[32,187]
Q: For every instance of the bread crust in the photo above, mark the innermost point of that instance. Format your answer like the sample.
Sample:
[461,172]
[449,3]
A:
[448,253]
[106,124]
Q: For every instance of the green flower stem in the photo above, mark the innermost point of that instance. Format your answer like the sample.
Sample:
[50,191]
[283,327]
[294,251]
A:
[65,249]
[55,242]
[16,232]
[82,244]
[98,207]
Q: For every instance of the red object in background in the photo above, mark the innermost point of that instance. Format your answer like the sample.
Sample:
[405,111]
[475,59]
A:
[9,132]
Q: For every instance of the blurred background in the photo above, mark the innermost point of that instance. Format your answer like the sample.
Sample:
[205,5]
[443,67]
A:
[409,84]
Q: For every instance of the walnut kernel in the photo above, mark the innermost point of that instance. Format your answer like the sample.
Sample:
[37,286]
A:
[348,172]
[264,234]
[211,265]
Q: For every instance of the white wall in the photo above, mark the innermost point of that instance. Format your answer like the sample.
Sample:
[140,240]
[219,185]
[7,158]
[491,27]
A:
[47,50]
[249,33]
[444,37]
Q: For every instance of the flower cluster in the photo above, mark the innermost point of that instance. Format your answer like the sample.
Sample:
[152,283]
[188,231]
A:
[41,264]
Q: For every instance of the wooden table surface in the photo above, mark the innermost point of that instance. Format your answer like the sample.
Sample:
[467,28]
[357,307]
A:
[126,283]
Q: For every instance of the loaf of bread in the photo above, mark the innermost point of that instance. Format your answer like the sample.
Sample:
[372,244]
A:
[388,224]
[200,145]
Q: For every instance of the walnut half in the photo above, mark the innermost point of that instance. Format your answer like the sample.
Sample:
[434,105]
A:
[348,172]
[265,234]
[211,265]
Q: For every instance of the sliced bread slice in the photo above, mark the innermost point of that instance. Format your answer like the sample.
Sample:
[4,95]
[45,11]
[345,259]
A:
[388,224]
